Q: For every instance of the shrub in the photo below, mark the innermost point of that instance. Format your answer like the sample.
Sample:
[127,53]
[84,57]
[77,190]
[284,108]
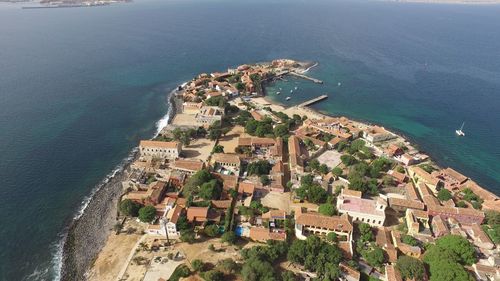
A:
[147,214]
[130,208]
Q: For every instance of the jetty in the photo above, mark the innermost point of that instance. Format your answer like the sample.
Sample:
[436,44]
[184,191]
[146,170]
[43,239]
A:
[312,101]
[317,81]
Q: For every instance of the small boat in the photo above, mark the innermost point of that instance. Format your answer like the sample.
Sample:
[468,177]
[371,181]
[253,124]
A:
[459,132]
[278,92]
[280,89]
[288,98]
[338,84]
[296,87]
[291,91]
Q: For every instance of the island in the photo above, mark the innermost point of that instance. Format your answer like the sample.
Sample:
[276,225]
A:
[237,187]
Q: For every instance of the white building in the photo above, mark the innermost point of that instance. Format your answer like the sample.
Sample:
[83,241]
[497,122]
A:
[368,211]
[321,225]
[160,149]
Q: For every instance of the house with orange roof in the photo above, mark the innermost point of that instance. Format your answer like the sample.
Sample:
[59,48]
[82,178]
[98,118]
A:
[296,162]
[392,274]
[417,222]
[439,226]
[377,134]
[160,149]
[208,115]
[383,239]
[262,234]
[349,273]
[419,175]
[227,162]
[307,223]
[479,237]
[188,166]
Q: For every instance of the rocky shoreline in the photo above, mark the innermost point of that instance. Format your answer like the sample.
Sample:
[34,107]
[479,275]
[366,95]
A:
[87,234]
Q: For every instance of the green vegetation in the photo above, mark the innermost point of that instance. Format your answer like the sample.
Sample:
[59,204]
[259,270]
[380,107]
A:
[259,261]
[130,208]
[410,240]
[219,101]
[180,272]
[211,230]
[316,255]
[374,256]
[261,167]
[332,237]
[348,160]
[410,268]
[289,276]
[311,190]
[229,237]
[147,213]
[197,265]
[264,180]
[448,256]
[427,167]
[218,149]
[185,136]
[493,226]
[337,171]
[260,128]
[193,183]
[213,275]
[211,190]
[444,194]
[327,209]
[366,233]
[472,198]
[461,204]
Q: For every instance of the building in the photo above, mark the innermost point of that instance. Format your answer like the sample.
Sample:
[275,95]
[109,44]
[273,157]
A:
[296,161]
[439,227]
[479,237]
[227,162]
[417,222]
[188,166]
[160,149]
[197,214]
[321,225]
[392,274]
[348,273]
[419,176]
[402,204]
[377,134]
[362,210]
[262,234]
[263,147]
[208,115]
[383,239]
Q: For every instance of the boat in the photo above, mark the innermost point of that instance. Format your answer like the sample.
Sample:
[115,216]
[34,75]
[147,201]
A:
[291,91]
[278,92]
[338,84]
[296,87]
[288,98]
[459,132]
[280,89]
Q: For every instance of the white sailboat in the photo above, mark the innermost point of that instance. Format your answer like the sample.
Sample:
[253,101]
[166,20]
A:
[288,98]
[459,132]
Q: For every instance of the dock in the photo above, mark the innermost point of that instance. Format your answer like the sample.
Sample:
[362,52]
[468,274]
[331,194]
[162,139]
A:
[317,81]
[313,101]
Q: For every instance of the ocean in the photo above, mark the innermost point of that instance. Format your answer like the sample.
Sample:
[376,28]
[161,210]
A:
[80,87]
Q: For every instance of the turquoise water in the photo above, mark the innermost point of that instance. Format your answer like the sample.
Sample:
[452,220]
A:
[80,87]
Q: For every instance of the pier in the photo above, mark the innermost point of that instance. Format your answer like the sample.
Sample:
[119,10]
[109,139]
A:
[313,101]
[317,81]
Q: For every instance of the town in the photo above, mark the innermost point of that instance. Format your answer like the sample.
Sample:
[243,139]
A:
[239,188]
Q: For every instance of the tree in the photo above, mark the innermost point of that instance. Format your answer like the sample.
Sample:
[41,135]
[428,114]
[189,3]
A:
[228,265]
[460,246]
[211,190]
[288,276]
[337,171]
[229,237]
[261,167]
[444,264]
[410,268]
[332,237]
[281,130]
[214,133]
[130,208]
[257,270]
[410,240]
[444,194]
[323,169]
[147,214]
[197,265]
[316,194]
[374,257]
[264,180]
[327,209]
[187,236]
[218,149]
[314,164]
[211,230]
[461,204]
[213,275]
[348,160]
[366,234]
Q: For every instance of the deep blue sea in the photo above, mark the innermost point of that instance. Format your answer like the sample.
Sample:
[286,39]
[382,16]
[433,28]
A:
[79,87]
